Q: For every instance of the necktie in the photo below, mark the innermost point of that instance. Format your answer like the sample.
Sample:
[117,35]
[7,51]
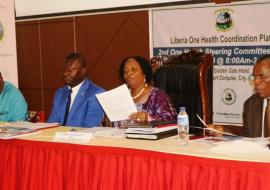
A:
[267,119]
[67,107]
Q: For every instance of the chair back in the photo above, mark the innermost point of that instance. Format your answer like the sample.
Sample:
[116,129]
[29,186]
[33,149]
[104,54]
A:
[187,79]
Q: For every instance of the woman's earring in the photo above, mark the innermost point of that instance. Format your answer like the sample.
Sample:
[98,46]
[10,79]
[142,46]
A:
[144,80]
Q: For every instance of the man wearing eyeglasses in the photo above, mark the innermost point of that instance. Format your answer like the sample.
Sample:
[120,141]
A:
[256,114]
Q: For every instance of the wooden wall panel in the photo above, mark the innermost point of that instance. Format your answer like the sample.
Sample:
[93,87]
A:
[29,66]
[105,40]
[48,99]
[33,98]
[106,45]
[57,41]
[28,39]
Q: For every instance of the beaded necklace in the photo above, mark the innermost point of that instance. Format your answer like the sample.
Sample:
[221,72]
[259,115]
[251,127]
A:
[137,95]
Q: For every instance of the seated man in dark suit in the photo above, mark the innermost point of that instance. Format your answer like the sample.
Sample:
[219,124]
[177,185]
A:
[76,104]
[255,114]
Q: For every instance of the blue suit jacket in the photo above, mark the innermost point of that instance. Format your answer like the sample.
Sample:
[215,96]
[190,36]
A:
[85,111]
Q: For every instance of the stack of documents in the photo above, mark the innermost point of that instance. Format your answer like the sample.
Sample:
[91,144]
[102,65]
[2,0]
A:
[153,133]
[9,132]
[34,126]
[17,129]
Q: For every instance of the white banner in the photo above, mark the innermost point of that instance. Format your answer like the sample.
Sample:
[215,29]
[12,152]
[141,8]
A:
[41,7]
[8,56]
[236,35]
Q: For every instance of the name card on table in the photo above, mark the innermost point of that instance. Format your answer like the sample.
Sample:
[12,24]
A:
[72,137]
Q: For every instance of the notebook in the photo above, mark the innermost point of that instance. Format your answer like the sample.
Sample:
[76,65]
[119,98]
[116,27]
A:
[152,136]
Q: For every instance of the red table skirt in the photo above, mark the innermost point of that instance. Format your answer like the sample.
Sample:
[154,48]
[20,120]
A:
[41,165]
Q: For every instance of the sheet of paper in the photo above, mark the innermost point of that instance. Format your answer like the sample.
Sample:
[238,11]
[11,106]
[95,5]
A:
[214,131]
[10,132]
[214,140]
[241,149]
[106,132]
[117,103]
[31,125]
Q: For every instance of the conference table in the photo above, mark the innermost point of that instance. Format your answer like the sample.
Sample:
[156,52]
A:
[37,162]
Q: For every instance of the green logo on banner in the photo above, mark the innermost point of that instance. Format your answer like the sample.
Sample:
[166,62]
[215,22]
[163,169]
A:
[224,20]
[1,31]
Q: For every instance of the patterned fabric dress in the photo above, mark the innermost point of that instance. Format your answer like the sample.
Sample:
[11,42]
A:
[158,106]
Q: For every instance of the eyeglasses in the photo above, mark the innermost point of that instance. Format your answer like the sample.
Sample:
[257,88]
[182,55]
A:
[261,77]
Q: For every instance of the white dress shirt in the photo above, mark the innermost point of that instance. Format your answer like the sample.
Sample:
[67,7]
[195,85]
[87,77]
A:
[74,92]
[263,112]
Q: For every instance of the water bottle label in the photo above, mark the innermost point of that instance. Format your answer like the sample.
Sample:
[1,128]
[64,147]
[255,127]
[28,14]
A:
[183,121]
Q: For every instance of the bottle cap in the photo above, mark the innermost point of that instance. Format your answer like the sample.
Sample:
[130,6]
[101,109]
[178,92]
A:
[182,108]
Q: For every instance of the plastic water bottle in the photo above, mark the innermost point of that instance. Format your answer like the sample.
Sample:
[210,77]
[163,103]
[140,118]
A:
[183,127]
